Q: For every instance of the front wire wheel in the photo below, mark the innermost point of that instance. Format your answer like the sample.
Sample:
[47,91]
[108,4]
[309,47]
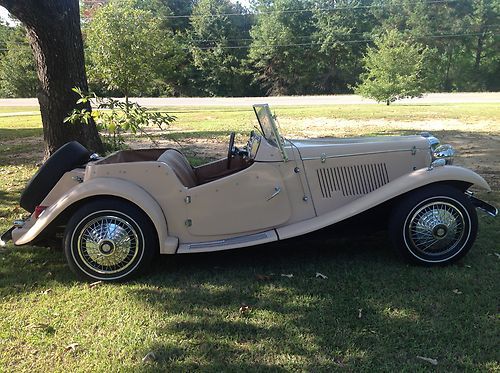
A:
[434,225]
[109,240]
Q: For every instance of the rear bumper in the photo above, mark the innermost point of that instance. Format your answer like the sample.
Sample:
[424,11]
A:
[6,236]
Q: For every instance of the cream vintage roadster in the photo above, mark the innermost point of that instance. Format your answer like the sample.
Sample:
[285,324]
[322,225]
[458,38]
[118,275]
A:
[114,214]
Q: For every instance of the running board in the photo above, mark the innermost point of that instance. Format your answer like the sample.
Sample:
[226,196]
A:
[227,244]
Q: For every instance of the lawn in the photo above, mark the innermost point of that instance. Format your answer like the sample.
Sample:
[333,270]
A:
[373,312]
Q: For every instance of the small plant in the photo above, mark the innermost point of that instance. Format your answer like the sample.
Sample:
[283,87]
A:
[113,118]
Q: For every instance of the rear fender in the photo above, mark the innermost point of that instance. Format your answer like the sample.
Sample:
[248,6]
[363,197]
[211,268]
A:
[102,187]
[395,188]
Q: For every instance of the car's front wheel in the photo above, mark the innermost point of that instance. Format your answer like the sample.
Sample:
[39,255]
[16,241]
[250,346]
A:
[109,240]
[434,225]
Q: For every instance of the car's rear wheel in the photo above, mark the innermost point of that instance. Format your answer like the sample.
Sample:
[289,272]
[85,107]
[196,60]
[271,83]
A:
[434,225]
[109,240]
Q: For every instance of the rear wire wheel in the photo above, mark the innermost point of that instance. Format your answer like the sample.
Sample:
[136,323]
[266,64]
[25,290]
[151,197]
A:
[434,225]
[109,240]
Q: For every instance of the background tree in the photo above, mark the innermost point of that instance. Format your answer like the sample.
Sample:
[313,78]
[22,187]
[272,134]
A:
[128,48]
[53,29]
[281,54]
[218,48]
[341,34]
[394,69]
[17,66]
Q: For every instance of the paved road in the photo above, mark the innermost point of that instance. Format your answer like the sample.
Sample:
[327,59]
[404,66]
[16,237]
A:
[432,98]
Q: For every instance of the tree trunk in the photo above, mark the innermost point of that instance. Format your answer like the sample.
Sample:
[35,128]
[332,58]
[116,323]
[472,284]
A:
[54,33]
[479,50]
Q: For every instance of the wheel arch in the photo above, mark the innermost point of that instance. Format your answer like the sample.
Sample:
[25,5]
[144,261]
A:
[101,188]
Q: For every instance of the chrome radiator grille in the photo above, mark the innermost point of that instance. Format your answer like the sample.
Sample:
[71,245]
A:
[352,180]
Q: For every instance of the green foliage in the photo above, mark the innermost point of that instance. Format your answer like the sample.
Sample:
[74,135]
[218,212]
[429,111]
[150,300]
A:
[282,61]
[337,32]
[221,68]
[128,49]
[17,66]
[218,48]
[113,118]
[394,69]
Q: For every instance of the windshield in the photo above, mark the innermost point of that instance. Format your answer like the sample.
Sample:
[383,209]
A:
[269,127]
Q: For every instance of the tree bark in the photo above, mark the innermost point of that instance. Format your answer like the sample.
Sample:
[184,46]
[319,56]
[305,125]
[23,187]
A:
[54,32]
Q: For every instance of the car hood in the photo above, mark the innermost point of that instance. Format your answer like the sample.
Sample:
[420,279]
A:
[309,148]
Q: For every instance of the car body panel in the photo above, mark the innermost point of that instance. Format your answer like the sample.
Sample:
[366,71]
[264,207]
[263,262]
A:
[234,205]
[102,187]
[397,187]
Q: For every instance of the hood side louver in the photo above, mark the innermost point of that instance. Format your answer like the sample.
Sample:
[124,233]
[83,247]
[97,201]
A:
[352,180]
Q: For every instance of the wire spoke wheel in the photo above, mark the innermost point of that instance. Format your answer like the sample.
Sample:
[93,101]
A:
[109,240]
[108,244]
[436,228]
[434,225]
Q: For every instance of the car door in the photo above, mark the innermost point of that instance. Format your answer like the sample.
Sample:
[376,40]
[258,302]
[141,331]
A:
[251,200]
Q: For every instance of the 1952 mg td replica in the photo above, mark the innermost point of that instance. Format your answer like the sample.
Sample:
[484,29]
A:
[116,213]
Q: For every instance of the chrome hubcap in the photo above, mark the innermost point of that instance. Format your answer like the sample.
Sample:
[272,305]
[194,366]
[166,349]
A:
[436,228]
[108,244]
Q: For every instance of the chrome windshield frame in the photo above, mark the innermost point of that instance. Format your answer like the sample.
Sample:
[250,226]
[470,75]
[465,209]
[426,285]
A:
[269,128]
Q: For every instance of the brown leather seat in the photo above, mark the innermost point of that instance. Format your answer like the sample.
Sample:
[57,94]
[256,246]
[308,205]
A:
[181,167]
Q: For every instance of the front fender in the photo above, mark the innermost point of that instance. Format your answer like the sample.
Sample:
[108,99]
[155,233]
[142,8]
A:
[395,188]
[102,187]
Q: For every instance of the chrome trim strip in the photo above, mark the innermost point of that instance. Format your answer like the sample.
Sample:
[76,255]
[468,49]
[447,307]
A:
[230,241]
[357,154]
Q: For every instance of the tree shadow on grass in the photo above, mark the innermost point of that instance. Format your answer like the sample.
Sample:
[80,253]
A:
[8,197]
[374,312]
[7,134]
[28,269]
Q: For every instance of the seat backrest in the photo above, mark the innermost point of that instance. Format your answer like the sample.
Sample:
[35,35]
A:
[180,165]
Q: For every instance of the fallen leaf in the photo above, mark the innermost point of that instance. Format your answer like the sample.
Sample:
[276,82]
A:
[71,347]
[428,359]
[244,309]
[468,266]
[47,291]
[94,284]
[289,275]
[263,277]
[320,275]
[456,291]
[360,313]
[150,357]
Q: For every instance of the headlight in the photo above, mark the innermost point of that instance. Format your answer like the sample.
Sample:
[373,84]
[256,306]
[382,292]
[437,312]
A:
[445,152]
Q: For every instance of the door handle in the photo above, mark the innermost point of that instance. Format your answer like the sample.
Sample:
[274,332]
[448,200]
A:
[277,190]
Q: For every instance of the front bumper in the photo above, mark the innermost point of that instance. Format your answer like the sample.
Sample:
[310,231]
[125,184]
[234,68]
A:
[484,206]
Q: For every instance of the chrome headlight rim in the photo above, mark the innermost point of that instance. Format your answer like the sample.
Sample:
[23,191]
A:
[445,151]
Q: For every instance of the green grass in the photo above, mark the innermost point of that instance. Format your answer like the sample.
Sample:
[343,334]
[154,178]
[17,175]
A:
[186,310]
[18,109]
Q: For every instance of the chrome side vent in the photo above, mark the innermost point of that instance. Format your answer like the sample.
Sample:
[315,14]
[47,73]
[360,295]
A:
[352,180]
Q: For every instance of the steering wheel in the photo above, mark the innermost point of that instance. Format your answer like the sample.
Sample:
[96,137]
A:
[230,150]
